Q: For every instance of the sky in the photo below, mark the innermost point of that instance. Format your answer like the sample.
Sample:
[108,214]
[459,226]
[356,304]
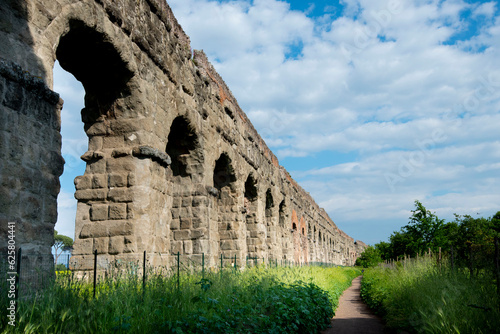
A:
[370,105]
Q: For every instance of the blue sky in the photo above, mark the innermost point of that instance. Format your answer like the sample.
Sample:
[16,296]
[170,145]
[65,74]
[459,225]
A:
[370,105]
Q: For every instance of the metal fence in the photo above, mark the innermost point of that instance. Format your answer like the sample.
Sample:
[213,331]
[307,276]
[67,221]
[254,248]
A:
[34,271]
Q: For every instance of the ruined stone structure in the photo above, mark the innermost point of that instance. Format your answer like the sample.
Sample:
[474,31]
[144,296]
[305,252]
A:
[173,163]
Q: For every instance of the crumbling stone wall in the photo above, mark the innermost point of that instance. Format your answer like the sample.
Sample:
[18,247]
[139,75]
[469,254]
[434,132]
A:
[173,163]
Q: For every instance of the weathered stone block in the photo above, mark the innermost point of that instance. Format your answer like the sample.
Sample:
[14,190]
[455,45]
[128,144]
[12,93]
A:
[83,246]
[101,245]
[176,247]
[118,211]
[199,212]
[185,223]
[198,222]
[83,182]
[123,227]
[99,212]
[99,181]
[120,195]
[175,224]
[117,180]
[182,235]
[188,247]
[131,179]
[116,245]
[186,202]
[226,245]
[185,213]
[176,202]
[175,213]
[112,142]
[198,233]
[200,201]
[200,246]
[90,194]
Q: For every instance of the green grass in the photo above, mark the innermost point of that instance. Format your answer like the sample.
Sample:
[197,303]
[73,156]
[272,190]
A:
[420,297]
[256,300]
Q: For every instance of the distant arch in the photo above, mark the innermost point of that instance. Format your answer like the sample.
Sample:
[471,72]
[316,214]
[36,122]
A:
[182,143]
[223,172]
[251,188]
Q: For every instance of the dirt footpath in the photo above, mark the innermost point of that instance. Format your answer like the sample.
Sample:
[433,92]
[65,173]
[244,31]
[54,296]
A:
[353,316]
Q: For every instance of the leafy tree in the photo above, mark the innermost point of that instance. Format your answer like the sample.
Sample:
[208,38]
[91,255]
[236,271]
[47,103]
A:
[385,250]
[400,243]
[369,258]
[61,243]
[425,230]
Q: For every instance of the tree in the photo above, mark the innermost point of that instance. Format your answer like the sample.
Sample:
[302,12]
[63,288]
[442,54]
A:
[369,258]
[61,243]
[425,230]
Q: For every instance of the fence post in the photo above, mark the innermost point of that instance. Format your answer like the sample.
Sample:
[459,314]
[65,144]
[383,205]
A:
[18,270]
[202,265]
[178,271]
[234,262]
[95,269]
[144,274]
[221,264]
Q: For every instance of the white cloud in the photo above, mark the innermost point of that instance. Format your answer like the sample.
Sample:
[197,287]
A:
[385,81]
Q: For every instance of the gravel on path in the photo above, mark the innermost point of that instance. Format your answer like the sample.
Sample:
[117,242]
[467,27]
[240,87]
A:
[353,315]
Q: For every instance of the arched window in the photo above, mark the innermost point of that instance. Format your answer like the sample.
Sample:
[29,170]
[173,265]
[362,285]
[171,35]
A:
[269,199]
[251,188]
[182,141]
[223,172]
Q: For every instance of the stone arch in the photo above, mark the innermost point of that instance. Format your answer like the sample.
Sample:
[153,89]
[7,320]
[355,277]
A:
[269,199]
[224,174]
[284,231]
[251,192]
[255,230]
[93,58]
[184,148]
[224,180]
[94,61]
[271,217]
[282,214]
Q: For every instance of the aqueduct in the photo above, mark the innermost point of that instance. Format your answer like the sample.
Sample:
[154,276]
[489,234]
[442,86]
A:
[173,163]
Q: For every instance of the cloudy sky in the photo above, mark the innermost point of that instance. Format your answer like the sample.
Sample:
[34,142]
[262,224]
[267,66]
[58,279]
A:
[370,105]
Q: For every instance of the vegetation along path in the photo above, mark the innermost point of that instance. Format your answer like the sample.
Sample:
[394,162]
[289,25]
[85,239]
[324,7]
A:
[353,315]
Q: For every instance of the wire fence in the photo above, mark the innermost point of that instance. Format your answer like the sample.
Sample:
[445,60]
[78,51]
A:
[31,272]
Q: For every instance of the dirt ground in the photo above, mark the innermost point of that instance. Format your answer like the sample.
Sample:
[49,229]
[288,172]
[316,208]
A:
[353,315]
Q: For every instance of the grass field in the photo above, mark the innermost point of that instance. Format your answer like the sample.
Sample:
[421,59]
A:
[420,297]
[256,300]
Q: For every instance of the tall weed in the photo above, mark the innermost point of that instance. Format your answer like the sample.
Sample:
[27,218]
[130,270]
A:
[256,300]
[420,297]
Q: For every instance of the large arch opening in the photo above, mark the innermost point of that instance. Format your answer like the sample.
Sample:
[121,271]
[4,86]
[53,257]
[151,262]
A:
[224,180]
[182,143]
[92,59]
[74,145]
[252,223]
[223,172]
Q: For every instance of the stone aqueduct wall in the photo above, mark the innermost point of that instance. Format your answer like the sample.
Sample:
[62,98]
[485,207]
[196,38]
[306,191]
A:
[173,163]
